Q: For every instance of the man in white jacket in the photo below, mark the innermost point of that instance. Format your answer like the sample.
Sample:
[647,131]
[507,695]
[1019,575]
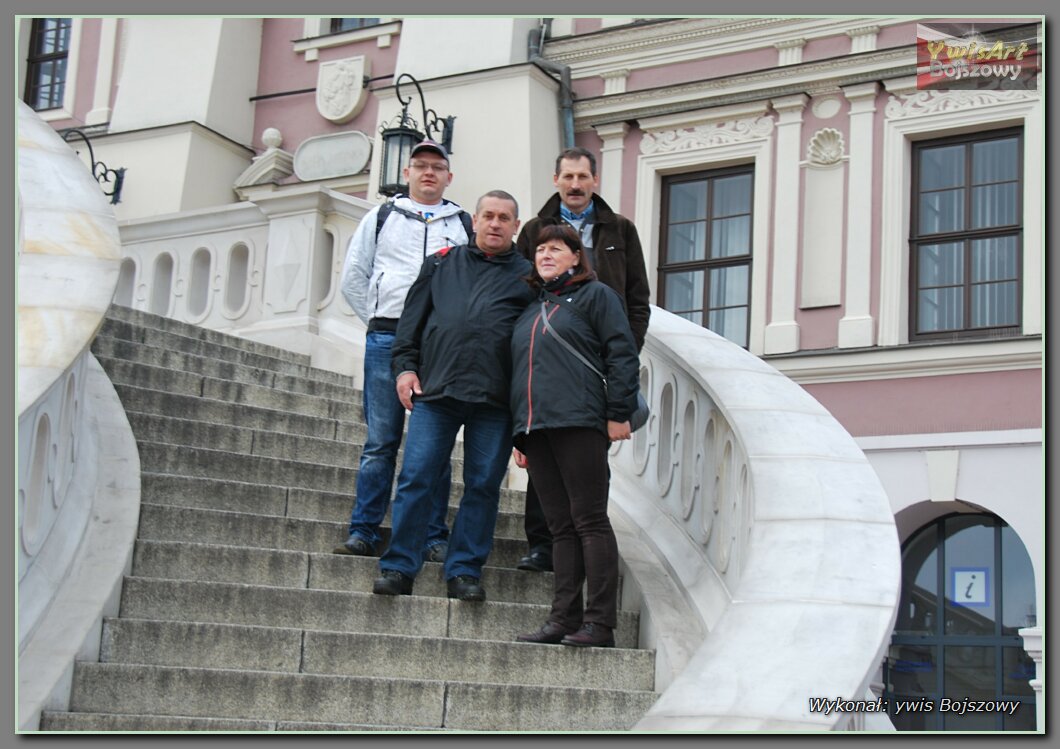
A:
[382,261]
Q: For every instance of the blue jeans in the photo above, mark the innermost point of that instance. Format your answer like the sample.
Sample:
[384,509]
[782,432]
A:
[385,417]
[433,427]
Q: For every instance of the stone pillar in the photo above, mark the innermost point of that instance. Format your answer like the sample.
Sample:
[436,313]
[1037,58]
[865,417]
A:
[1032,643]
[610,167]
[104,73]
[856,326]
[295,243]
[782,333]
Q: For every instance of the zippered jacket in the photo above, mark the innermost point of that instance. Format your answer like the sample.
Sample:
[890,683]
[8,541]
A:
[455,332]
[551,388]
[377,273]
[618,258]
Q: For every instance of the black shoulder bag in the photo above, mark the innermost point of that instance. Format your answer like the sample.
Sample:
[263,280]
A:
[639,417]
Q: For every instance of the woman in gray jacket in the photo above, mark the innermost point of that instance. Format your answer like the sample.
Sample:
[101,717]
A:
[565,416]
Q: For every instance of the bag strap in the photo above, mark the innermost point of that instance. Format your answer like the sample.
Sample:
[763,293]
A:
[563,342]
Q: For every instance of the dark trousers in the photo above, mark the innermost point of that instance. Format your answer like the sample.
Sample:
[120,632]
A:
[538,537]
[569,469]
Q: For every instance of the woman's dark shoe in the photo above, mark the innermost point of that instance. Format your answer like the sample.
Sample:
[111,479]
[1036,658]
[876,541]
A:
[591,635]
[550,634]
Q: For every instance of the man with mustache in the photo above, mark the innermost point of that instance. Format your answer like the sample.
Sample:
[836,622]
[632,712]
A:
[614,251]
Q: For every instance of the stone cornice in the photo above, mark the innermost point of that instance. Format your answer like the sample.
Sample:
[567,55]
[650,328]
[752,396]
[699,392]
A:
[899,362]
[810,78]
[690,39]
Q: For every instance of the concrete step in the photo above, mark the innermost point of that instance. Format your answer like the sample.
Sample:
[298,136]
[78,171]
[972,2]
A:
[261,442]
[252,530]
[206,463]
[185,430]
[340,611]
[309,504]
[183,560]
[226,348]
[177,459]
[133,319]
[178,382]
[221,693]
[145,400]
[109,349]
[249,648]
[99,722]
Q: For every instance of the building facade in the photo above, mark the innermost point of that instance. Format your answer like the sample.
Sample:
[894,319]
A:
[797,188]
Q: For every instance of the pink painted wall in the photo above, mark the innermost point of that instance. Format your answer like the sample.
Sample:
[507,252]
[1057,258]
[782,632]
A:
[695,70]
[946,403]
[587,25]
[586,88]
[84,86]
[282,69]
[899,35]
[826,47]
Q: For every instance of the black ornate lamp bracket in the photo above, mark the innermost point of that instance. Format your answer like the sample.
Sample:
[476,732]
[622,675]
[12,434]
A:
[100,172]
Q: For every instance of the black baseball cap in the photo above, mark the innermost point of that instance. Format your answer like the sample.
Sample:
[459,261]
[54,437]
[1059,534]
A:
[430,145]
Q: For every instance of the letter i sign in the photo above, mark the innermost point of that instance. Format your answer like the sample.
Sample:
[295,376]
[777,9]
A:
[970,586]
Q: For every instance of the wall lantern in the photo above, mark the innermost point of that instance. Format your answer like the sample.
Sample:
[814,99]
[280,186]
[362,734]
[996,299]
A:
[99,169]
[401,136]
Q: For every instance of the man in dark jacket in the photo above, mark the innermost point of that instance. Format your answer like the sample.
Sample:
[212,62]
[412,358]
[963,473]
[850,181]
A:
[614,250]
[452,362]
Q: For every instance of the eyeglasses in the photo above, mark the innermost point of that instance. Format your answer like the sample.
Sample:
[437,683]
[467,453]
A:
[422,166]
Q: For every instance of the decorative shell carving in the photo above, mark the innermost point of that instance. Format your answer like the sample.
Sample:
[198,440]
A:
[826,147]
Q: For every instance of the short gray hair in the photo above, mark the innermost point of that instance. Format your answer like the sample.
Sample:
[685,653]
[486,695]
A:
[502,195]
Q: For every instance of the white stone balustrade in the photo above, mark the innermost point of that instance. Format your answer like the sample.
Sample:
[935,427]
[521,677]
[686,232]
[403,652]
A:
[78,471]
[756,538]
[266,269]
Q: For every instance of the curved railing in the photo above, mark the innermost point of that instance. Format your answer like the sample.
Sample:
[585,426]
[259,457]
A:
[78,471]
[757,539]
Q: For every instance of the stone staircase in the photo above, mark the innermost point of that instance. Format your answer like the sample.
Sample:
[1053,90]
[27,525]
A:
[237,615]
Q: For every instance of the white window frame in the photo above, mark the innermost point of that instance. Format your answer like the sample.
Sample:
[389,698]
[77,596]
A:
[913,115]
[318,35]
[66,110]
[744,149]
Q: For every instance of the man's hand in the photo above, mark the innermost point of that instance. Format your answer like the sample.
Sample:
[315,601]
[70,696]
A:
[520,459]
[618,430]
[408,384]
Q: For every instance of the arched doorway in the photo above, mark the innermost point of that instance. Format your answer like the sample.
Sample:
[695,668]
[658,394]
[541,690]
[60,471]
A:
[956,655]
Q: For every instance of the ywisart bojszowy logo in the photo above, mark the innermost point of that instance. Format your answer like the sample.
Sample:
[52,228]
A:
[957,54]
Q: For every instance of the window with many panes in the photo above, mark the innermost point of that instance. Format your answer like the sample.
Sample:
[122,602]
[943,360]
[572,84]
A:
[966,236]
[49,48]
[705,252]
[349,24]
[967,590]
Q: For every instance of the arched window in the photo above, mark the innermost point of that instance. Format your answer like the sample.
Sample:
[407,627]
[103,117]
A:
[967,588]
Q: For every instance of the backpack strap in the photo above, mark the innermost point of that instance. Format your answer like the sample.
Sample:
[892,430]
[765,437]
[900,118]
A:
[388,207]
[465,219]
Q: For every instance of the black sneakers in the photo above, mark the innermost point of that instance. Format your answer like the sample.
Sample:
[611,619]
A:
[536,561]
[356,546]
[392,583]
[437,552]
[465,588]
